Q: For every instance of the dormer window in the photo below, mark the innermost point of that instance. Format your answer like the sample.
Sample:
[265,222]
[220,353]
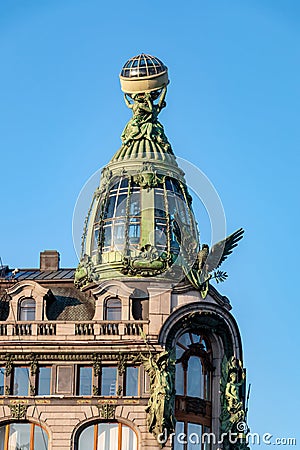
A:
[113,309]
[27,309]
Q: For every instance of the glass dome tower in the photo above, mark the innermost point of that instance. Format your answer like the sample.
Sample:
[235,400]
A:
[141,210]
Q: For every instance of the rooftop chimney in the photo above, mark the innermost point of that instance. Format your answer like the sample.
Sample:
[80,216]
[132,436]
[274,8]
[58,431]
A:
[49,260]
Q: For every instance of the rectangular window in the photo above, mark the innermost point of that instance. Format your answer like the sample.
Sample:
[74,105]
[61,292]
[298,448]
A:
[44,381]
[85,381]
[21,381]
[109,381]
[194,432]
[2,381]
[132,381]
[179,432]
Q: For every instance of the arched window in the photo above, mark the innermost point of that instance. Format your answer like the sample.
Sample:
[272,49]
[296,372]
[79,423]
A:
[193,366]
[29,436]
[113,309]
[193,390]
[27,309]
[107,436]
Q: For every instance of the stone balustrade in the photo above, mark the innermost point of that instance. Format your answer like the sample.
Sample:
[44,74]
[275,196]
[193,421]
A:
[73,330]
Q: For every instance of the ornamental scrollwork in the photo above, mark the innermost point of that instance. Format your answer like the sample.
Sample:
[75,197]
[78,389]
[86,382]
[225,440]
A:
[18,411]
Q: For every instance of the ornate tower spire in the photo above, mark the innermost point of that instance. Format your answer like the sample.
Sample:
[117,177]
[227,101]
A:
[142,203]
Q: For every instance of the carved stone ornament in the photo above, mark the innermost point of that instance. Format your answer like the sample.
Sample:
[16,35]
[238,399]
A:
[148,263]
[107,411]
[96,364]
[148,180]
[33,364]
[85,272]
[18,411]
[8,363]
[122,363]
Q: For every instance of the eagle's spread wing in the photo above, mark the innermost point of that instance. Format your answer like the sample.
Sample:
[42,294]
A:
[222,249]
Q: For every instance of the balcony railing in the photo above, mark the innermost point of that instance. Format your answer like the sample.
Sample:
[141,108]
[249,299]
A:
[100,329]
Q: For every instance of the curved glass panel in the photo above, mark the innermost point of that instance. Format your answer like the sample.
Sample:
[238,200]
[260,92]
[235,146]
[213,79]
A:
[40,439]
[23,436]
[141,66]
[86,438]
[107,436]
[122,210]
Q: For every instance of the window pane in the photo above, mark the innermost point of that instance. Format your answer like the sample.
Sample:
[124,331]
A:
[108,436]
[2,387]
[194,377]
[44,381]
[132,381]
[135,204]
[109,381]
[207,438]
[194,436]
[121,205]
[40,438]
[27,309]
[2,437]
[21,381]
[129,441]
[179,379]
[110,207]
[86,439]
[19,436]
[179,437]
[113,309]
[107,236]
[85,381]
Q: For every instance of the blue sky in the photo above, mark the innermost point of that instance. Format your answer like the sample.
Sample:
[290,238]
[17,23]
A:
[233,111]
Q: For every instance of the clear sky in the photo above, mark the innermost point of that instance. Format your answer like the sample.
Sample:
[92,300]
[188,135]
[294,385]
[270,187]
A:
[233,111]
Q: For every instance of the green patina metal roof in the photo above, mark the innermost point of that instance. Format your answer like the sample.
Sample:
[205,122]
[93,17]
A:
[133,225]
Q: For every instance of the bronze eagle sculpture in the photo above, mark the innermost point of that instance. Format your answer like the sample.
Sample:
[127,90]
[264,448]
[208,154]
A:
[200,266]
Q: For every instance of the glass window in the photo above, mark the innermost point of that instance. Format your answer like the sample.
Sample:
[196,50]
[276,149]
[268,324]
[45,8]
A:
[2,381]
[86,439]
[119,208]
[194,432]
[179,380]
[23,436]
[21,381]
[19,436]
[109,381]
[132,381]
[193,366]
[194,377]
[44,381]
[85,380]
[40,439]
[179,437]
[113,309]
[27,309]
[107,436]
[2,437]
